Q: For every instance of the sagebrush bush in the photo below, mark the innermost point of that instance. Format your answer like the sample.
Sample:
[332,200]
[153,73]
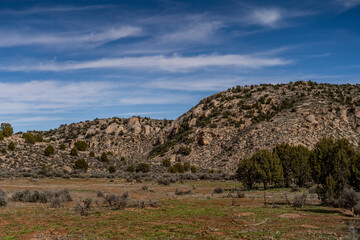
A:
[3,198]
[83,207]
[143,167]
[11,146]
[50,150]
[218,190]
[80,145]
[300,200]
[74,152]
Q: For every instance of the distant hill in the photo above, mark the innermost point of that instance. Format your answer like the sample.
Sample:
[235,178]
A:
[213,135]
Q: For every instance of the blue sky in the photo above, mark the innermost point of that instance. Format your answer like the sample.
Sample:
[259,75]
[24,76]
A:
[70,61]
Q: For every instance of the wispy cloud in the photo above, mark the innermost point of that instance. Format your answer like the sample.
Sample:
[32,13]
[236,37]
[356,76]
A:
[194,32]
[348,3]
[50,96]
[194,84]
[172,64]
[20,39]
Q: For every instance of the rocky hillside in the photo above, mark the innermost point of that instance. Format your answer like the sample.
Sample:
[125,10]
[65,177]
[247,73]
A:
[215,134]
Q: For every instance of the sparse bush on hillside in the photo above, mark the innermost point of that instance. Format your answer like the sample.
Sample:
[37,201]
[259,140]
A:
[1,136]
[11,146]
[187,166]
[29,138]
[80,145]
[6,129]
[130,168]
[50,150]
[166,163]
[104,158]
[92,154]
[39,138]
[218,190]
[81,164]
[74,152]
[83,207]
[143,167]
[112,169]
[62,146]
[193,169]
[184,150]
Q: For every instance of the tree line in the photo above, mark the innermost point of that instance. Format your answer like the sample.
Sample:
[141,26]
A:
[332,165]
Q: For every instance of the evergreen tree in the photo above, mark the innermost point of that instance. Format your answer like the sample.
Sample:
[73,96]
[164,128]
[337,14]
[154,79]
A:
[11,146]
[246,173]
[7,129]
[74,152]
[331,162]
[50,150]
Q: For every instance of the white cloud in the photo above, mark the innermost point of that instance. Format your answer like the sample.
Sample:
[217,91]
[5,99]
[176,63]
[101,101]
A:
[159,62]
[17,39]
[194,32]
[193,84]
[266,17]
[156,99]
[50,96]
[349,3]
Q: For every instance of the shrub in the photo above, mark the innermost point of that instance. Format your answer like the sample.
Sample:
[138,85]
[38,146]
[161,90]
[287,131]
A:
[349,199]
[184,150]
[166,163]
[81,145]
[7,129]
[1,136]
[11,146]
[171,169]
[193,169]
[100,194]
[163,181]
[104,157]
[81,164]
[145,188]
[218,190]
[50,150]
[62,146]
[83,207]
[179,168]
[182,192]
[74,152]
[130,168]
[186,166]
[92,154]
[240,194]
[39,138]
[3,151]
[3,198]
[112,169]
[300,200]
[143,167]
[29,138]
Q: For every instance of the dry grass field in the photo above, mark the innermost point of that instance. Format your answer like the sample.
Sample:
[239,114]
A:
[201,214]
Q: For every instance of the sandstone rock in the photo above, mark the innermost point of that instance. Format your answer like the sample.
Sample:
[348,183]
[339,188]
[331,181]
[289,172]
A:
[310,118]
[343,115]
[357,112]
[111,128]
[192,122]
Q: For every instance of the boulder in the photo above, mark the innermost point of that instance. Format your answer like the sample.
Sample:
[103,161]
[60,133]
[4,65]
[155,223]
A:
[310,118]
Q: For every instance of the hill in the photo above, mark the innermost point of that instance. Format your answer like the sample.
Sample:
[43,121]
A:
[213,135]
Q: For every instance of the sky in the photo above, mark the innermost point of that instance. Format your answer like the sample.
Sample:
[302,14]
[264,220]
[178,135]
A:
[71,61]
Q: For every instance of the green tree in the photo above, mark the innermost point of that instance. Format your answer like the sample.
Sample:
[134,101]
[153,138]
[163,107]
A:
[81,164]
[62,146]
[186,166]
[246,173]
[39,138]
[1,136]
[80,145]
[112,169]
[179,167]
[193,169]
[130,168]
[92,154]
[104,157]
[11,146]
[166,162]
[331,161]
[143,167]
[295,163]
[29,138]
[7,129]
[50,150]
[184,150]
[268,167]
[74,152]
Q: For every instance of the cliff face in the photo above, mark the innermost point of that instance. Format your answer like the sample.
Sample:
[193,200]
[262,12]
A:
[215,134]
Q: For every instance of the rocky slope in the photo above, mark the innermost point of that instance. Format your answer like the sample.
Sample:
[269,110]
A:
[215,134]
